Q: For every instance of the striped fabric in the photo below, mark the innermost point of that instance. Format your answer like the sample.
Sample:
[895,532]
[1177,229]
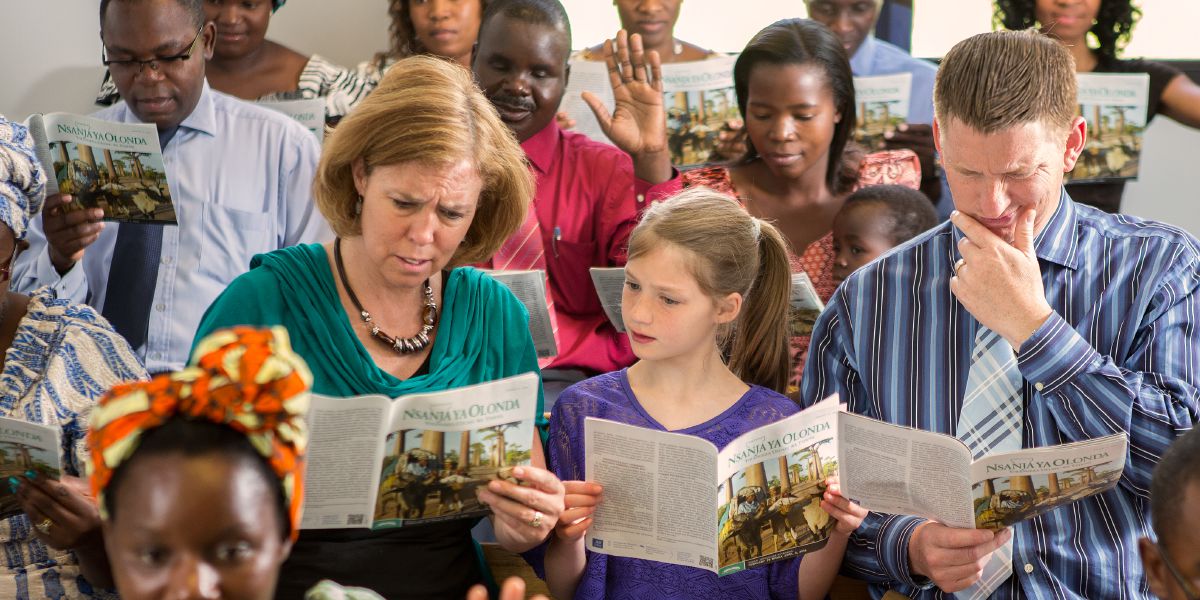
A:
[62,359]
[1117,355]
[990,422]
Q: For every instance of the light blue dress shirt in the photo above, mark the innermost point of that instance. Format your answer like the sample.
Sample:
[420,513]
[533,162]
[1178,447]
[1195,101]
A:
[877,57]
[241,179]
[1118,354]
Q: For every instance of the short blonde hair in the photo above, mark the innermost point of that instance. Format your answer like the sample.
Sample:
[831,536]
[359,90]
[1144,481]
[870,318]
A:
[994,81]
[427,110]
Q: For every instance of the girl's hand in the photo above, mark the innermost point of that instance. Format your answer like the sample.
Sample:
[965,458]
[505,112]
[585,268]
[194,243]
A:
[524,514]
[63,513]
[848,514]
[580,502]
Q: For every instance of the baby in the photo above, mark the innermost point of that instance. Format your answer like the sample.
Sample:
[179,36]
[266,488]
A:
[876,219]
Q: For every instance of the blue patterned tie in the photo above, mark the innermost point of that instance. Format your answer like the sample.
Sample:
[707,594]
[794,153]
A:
[990,422]
[133,273]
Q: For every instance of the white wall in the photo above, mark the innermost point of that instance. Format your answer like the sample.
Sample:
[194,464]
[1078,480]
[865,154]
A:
[39,73]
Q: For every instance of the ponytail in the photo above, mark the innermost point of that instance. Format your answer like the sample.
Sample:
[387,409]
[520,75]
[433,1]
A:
[759,345]
[750,258]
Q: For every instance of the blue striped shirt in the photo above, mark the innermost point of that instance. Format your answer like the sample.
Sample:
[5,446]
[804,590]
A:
[1117,355]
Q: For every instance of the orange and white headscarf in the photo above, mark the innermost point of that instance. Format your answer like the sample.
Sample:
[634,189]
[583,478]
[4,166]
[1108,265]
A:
[248,379]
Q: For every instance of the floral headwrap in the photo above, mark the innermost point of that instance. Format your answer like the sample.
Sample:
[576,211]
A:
[22,182]
[248,379]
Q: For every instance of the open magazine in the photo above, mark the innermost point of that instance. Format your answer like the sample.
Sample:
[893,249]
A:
[381,463]
[26,448]
[103,164]
[1115,107]
[882,106]
[698,97]
[806,304]
[899,470]
[530,288]
[309,112]
[675,498]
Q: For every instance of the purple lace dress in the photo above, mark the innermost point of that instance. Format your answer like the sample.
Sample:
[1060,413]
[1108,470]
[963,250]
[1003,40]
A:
[609,396]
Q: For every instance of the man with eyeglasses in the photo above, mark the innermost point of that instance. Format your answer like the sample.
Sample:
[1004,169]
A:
[240,176]
[853,22]
[1173,562]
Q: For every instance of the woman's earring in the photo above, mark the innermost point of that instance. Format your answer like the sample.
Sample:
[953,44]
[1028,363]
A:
[358,206]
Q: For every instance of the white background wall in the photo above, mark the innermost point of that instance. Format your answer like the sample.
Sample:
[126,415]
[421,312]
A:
[50,60]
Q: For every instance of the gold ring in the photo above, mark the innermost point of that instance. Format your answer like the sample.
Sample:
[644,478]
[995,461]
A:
[535,523]
[959,265]
[45,526]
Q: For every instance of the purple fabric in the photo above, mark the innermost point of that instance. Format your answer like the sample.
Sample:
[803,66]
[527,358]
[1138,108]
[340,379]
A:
[609,396]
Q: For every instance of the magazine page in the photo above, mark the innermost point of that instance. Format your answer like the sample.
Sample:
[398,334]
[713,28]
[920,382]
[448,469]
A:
[900,470]
[114,166]
[698,97]
[658,494]
[26,450]
[443,446]
[1015,486]
[530,288]
[610,283]
[309,112]
[882,106]
[345,444]
[806,304]
[1115,107]
[770,485]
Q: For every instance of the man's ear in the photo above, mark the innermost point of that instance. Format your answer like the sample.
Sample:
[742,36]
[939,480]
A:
[210,39]
[1076,140]
[1156,570]
[937,136]
[567,74]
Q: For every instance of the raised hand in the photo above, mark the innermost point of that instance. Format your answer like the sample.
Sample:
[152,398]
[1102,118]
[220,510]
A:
[638,123]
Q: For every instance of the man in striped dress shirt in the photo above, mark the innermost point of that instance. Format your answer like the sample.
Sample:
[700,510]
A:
[1099,309]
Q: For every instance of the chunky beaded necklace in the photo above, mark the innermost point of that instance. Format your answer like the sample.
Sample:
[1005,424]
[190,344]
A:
[407,345]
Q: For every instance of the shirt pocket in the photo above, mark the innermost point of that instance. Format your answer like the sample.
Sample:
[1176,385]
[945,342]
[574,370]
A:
[569,263]
[229,239]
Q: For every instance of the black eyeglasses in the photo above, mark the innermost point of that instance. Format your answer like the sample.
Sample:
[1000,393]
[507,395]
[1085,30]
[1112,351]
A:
[1188,587]
[134,66]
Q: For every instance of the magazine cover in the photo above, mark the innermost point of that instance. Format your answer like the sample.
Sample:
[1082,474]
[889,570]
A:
[117,167]
[1114,106]
[806,305]
[382,463]
[698,98]
[26,450]
[882,106]
[309,112]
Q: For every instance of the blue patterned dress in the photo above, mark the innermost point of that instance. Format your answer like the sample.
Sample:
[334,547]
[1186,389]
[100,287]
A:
[63,357]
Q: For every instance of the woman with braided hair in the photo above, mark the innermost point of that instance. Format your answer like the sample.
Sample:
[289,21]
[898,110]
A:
[56,358]
[1096,31]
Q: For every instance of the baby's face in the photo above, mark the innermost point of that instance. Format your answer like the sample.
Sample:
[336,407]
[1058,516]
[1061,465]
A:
[860,234]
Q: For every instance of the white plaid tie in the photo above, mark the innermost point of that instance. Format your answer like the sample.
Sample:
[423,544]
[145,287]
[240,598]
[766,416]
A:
[990,422]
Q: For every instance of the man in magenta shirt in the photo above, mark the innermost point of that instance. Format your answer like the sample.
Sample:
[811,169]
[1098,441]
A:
[589,194]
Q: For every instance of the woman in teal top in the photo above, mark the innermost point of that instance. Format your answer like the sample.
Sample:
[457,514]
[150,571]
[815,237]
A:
[421,178]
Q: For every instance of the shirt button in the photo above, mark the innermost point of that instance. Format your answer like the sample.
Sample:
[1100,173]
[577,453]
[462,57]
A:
[1038,386]
[166,260]
[1028,568]
[160,307]
[641,198]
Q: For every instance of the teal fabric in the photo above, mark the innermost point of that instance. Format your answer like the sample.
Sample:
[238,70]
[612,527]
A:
[483,331]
